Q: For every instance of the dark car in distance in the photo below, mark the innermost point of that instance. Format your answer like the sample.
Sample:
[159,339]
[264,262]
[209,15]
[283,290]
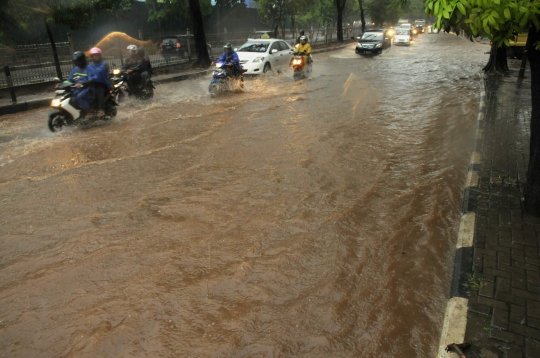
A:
[177,46]
[373,42]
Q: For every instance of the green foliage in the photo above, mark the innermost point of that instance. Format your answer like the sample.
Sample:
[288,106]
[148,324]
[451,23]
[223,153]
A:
[382,11]
[177,9]
[499,20]
[76,14]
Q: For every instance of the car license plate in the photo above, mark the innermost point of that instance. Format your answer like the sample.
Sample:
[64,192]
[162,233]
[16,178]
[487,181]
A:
[367,51]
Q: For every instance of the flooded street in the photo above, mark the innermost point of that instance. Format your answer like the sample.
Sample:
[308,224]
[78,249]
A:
[315,218]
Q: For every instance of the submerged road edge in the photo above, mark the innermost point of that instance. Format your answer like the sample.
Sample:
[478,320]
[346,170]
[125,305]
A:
[455,317]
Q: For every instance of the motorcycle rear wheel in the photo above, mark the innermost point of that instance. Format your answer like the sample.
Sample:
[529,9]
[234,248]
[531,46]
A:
[57,120]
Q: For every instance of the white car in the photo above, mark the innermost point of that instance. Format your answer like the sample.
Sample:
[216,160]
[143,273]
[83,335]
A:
[260,56]
[402,36]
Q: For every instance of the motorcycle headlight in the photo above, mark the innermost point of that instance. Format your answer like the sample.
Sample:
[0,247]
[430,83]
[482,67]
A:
[258,59]
[117,85]
[116,72]
[55,103]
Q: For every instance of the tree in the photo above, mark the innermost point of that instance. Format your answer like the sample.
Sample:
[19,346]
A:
[362,17]
[340,6]
[203,58]
[75,14]
[499,20]
[382,11]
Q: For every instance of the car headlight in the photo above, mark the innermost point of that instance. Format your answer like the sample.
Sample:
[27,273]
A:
[55,103]
[258,59]
[378,45]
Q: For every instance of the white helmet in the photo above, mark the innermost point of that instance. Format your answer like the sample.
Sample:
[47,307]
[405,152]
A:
[132,48]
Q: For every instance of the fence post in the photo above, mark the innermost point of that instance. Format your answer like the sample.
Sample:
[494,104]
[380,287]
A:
[140,35]
[71,45]
[55,54]
[188,45]
[10,85]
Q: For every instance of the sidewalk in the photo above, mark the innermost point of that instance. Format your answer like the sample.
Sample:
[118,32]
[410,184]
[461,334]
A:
[504,288]
[41,96]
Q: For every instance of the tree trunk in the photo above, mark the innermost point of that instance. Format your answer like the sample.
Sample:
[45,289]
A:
[362,18]
[203,59]
[497,64]
[340,5]
[532,188]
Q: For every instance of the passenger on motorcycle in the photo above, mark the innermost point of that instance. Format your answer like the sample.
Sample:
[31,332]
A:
[300,34]
[304,49]
[138,67]
[102,67]
[86,79]
[230,58]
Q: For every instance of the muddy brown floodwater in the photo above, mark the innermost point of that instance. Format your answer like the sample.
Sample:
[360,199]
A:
[297,219]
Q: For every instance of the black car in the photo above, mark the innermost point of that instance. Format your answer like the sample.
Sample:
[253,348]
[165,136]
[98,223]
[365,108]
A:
[373,42]
[177,46]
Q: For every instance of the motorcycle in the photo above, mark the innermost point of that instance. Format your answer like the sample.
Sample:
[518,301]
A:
[65,114]
[224,78]
[119,79]
[300,68]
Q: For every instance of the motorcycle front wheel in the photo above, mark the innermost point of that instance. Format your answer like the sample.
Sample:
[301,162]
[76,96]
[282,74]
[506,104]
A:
[57,120]
[213,88]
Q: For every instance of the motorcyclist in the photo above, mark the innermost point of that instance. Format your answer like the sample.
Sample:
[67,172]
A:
[102,67]
[86,79]
[229,58]
[138,67]
[304,49]
[300,34]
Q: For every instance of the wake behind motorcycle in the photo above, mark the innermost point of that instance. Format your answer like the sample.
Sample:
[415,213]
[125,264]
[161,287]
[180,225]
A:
[226,78]
[301,66]
[119,79]
[65,114]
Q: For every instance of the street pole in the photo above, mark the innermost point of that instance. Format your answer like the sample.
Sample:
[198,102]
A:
[523,64]
[55,54]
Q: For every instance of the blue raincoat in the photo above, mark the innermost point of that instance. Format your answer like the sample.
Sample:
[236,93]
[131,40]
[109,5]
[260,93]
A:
[83,97]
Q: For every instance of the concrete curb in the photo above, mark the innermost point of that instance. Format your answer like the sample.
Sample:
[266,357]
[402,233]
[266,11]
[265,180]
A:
[25,106]
[39,103]
[455,318]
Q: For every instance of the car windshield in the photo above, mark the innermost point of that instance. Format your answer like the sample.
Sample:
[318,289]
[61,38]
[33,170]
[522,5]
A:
[372,36]
[402,32]
[254,47]
[169,41]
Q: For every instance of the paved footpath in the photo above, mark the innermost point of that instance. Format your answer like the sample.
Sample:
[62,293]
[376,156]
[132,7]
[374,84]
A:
[504,287]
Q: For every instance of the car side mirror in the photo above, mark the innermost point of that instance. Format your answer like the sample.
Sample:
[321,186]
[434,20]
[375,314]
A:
[274,50]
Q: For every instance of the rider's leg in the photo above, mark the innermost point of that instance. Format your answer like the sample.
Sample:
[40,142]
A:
[144,79]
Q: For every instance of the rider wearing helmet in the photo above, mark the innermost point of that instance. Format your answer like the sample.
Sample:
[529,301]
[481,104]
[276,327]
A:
[101,66]
[98,61]
[301,33]
[138,67]
[86,79]
[304,48]
[229,57]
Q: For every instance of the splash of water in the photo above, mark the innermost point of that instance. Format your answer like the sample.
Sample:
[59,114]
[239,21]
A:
[115,42]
